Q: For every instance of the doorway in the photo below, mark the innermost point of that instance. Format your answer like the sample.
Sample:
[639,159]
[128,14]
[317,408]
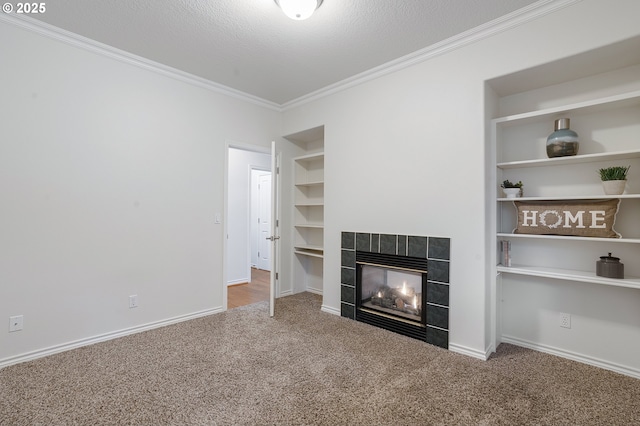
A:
[260,218]
[248,222]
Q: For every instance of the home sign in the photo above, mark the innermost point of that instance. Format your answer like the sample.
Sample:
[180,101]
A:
[585,218]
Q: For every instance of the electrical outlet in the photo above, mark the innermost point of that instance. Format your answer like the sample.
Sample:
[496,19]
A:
[133,301]
[16,323]
[565,320]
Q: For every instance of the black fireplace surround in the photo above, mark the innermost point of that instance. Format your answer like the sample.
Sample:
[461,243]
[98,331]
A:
[426,316]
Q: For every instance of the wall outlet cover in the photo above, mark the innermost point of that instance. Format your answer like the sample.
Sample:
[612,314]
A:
[133,301]
[16,323]
[565,320]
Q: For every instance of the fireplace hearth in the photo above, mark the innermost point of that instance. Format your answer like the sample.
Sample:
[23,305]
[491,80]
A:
[399,283]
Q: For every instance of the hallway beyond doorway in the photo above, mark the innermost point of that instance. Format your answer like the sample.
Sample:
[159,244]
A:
[247,293]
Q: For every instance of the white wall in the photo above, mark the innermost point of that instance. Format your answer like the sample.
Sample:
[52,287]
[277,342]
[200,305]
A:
[405,153]
[110,177]
[239,209]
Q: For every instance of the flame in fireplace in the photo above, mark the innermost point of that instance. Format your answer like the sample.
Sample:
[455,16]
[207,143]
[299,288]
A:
[415,301]
[404,288]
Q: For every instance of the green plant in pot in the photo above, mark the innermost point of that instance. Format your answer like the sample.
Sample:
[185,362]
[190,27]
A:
[614,179]
[512,190]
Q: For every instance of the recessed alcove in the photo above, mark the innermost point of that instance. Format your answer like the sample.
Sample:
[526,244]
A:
[550,275]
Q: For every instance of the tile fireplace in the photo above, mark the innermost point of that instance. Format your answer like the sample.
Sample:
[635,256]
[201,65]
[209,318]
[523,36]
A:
[397,282]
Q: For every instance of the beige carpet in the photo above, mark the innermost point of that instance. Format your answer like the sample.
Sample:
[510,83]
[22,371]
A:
[305,367]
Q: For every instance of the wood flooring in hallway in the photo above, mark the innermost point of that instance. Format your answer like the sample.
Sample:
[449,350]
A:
[255,291]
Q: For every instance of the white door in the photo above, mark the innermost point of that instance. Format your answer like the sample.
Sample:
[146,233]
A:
[264,221]
[274,238]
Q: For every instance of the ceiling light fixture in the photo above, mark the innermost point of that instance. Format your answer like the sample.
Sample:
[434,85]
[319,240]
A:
[298,9]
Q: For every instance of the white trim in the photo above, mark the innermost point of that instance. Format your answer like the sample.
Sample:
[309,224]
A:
[314,291]
[573,356]
[277,210]
[518,17]
[29,356]
[105,50]
[238,281]
[247,147]
[231,144]
[469,351]
[506,22]
[330,310]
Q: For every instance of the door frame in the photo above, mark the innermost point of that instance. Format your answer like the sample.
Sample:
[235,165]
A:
[276,193]
[225,236]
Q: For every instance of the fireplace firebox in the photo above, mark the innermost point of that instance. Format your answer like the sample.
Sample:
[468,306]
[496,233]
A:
[391,292]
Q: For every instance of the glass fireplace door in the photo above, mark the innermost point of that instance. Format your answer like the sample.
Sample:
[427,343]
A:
[391,291]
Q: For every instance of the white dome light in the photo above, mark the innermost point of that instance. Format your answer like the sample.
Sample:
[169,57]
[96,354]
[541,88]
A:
[298,9]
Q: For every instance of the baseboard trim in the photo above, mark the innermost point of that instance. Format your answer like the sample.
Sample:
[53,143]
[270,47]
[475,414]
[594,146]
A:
[40,353]
[286,293]
[464,350]
[574,356]
[330,310]
[238,282]
[314,291]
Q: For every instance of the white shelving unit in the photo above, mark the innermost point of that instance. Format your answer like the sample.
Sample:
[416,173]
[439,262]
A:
[551,277]
[610,136]
[308,215]
[309,204]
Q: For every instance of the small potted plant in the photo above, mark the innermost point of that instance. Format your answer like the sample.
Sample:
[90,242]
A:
[614,179]
[512,190]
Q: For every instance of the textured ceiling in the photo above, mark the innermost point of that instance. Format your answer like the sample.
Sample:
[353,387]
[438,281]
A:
[250,46]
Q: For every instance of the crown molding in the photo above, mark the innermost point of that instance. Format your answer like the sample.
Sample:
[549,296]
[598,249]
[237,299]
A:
[75,40]
[506,22]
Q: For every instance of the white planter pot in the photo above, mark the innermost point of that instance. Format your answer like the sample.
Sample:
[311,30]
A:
[511,192]
[613,187]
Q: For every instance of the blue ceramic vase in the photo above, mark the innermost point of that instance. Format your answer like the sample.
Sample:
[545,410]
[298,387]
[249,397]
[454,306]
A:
[563,141]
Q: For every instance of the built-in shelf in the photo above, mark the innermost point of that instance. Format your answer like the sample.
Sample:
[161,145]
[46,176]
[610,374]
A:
[312,251]
[310,157]
[309,247]
[309,203]
[308,210]
[574,159]
[569,275]
[623,100]
[569,238]
[315,183]
[572,197]
[519,140]
[552,276]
